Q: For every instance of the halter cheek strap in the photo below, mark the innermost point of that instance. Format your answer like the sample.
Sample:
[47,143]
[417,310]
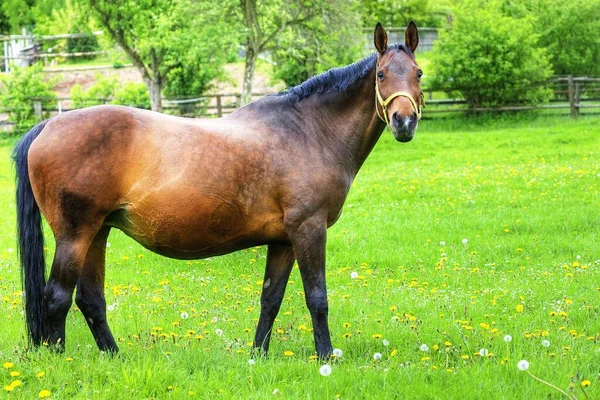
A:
[384,103]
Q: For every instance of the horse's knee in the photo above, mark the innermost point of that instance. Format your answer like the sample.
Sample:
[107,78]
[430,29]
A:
[317,303]
[93,306]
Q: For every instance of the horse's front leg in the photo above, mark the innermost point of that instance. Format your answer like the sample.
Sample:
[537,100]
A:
[309,239]
[280,260]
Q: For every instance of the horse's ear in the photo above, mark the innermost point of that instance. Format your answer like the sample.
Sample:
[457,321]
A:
[380,39]
[411,36]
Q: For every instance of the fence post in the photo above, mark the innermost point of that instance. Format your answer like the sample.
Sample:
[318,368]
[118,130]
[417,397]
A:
[577,97]
[219,107]
[574,108]
[37,110]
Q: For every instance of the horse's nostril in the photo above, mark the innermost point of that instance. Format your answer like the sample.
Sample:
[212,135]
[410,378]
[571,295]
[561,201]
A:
[396,117]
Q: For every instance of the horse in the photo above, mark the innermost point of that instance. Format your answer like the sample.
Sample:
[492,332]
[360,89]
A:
[275,172]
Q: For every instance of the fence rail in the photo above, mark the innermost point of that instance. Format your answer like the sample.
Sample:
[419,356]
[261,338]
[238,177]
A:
[575,94]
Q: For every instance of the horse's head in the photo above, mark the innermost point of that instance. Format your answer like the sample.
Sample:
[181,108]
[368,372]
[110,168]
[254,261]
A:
[398,83]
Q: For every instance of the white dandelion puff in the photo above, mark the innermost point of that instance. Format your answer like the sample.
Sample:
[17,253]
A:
[325,370]
[484,352]
[465,241]
[546,343]
[377,356]
[337,352]
[219,332]
[354,275]
[507,338]
[523,365]
[386,342]
[424,348]
[184,315]
[442,243]
[251,362]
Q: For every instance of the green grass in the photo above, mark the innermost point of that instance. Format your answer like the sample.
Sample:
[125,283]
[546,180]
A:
[525,195]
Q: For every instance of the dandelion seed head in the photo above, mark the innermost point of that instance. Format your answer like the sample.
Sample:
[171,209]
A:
[325,370]
[386,342]
[377,356]
[354,275]
[219,332]
[110,308]
[484,352]
[546,343]
[442,243]
[184,315]
[465,241]
[507,338]
[523,365]
[251,362]
[424,348]
[337,352]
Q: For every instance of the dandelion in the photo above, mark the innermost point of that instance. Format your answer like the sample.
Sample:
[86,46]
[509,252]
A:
[110,308]
[585,383]
[377,336]
[546,343]
[251,362]
[519,308]
[386,342]
[10,250]
[44,393]
[16,383]
[442,243]
[41,374]
[484,352]
[377,356]
[523,365]
[219,332]
[354,275]
[465,241]
[424,348]
[276,392]
[184,315]
[14,373]
[337,352]
[288,353]
[507,338]
[8,365]
[9,388]
[325,370]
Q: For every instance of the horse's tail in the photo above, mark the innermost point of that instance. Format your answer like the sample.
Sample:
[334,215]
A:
[31,241]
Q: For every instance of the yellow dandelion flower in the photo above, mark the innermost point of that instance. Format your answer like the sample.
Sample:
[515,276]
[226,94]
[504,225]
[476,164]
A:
[585,383]
[15,373]
[288,353]
[519,308]
[436,347]
[484,325]
[425,358]
[465,356]
[16,383]
[377,335]
[8,365]
[9,388]
[347,335]
[448,344]
[347,325]
[41,374]
[279,330]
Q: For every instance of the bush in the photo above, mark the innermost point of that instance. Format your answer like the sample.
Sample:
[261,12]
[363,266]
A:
[99,93]
[133,95]
[490,58]
[18,90]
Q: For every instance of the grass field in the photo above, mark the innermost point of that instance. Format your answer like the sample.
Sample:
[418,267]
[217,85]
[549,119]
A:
[473,231]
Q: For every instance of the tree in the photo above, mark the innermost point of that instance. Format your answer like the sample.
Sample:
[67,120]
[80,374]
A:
[331,39]
[398,13]
[493,59]
[156,34]
[264,21]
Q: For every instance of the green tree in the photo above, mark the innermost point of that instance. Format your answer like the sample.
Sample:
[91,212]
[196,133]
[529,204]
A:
[331,39]
[398,13]
[18,91]
[491,58]
[158,34]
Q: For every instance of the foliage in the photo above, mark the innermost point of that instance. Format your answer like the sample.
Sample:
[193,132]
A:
[331,39]
[569,30]
[18,90]
[161,36]
[398,13]
[132,94]
[522,193]
[99,93]
[492,59]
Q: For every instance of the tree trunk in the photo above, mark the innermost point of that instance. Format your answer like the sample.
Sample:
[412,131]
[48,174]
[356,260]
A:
[248,75]
[154,91]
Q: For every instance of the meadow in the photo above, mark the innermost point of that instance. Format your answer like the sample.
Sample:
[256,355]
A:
[476,232]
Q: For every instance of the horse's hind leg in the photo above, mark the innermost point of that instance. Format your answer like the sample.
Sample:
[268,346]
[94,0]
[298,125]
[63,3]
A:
[58,293]
[280,260]
[90,292]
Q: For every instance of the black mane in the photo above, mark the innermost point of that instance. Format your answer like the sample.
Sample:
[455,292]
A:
[338,79]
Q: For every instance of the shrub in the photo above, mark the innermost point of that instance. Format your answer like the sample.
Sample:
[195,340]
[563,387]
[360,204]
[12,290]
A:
[133,95]
[99,93]
[18,90]
[492,59]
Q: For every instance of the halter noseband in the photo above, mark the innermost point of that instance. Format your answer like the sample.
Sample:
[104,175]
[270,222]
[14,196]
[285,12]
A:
[384,103]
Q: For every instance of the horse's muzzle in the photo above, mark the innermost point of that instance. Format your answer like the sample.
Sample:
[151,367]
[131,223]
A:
[404,128]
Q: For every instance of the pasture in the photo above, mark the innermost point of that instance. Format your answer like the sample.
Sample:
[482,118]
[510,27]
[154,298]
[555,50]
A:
[471,232]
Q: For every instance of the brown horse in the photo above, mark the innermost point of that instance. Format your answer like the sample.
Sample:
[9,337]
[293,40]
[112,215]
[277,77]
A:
[275,172]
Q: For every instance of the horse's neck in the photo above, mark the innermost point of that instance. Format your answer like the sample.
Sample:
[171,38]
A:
[349,121]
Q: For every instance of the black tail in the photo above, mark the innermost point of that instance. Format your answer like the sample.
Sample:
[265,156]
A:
[31,241]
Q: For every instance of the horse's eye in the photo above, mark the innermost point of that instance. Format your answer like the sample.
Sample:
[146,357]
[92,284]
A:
[380,75]
[419,74]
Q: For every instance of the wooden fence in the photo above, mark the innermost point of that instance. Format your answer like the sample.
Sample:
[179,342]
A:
[571,95]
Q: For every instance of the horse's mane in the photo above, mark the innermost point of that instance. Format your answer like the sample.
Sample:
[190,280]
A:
[338,79]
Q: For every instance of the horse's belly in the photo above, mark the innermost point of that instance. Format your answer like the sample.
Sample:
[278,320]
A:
[197,231]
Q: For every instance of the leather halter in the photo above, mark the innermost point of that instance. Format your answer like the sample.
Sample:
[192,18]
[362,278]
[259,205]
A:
[384,103]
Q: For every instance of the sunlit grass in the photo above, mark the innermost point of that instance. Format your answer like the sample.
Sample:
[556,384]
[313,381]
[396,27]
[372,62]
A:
[471,232]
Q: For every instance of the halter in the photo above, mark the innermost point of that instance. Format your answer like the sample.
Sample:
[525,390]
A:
[384,103]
